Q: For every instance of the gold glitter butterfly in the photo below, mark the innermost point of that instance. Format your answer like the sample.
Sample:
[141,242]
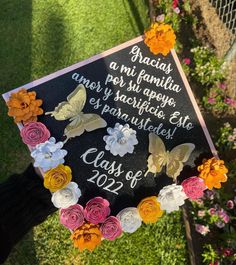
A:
[173,160]
[72,110]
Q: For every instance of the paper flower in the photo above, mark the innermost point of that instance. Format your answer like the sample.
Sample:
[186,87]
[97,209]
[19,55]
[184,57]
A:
[24,106]
[97,210]
[34,133]
[67,196]
[87,236]
[171,197]
[193,187]
[149,210]
[57,178]
[130,219]
[111,228]
[160,38]
[213,171]
[49,154]
[121,140]
[72,217]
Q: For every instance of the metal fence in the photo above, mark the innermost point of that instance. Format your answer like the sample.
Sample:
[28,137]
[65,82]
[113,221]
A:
[226,10]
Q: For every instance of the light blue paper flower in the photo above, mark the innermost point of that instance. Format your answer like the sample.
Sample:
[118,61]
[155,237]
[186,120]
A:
[121,140]
[49,154]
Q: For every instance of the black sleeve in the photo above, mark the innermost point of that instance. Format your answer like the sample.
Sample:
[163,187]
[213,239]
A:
[24,203]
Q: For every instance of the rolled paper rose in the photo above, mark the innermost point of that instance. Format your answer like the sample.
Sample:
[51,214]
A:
[72,217]
[24,106]
[193,187]
[57,178]
[130,219]
[88,236]
[160,38]
[34,133]
[67,196]
[213,172]
[171,197]
[111,228]
[97,210]
[149,210]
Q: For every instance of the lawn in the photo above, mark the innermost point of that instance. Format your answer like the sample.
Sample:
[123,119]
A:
[39,37]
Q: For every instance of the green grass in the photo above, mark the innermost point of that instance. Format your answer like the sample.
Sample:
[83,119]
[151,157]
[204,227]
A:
[39,37]
[159,244]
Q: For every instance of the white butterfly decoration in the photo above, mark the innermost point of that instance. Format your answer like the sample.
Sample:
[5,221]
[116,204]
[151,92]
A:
[173,160]
[72,110]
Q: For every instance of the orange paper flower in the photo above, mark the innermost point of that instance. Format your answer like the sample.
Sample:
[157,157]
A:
[24,106]
[57,178]
[213,171]
[160,38]
[87,236]
[149,210]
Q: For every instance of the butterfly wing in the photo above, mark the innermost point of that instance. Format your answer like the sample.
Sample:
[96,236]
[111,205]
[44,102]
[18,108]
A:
[72,107]
[177,156]
[84,122]
[157,158]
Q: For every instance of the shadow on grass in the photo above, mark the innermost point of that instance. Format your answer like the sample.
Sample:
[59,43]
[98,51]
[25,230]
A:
[132,6]
[54,38]
[15,69]
[24,252]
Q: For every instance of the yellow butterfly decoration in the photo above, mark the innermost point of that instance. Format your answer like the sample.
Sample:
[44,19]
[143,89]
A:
[173,160]
[72,110]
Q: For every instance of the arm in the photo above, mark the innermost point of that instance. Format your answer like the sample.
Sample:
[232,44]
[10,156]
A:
[24,203]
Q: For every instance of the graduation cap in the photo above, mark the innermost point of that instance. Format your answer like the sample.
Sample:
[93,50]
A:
[115,111]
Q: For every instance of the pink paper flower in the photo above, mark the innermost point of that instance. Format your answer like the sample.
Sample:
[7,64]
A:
[193,187]
[34,133]
[230,204]
[72,217]
[202,229]
[111,228]
[187,61]
[97,210]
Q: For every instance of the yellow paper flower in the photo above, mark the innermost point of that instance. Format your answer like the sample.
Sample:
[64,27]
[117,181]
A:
[160,38]
[87,236]
[149,210]
[57,178]
[213,171]
[24,106]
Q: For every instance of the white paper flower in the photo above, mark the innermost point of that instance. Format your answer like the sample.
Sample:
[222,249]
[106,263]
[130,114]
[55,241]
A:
[48,154]
[121,140]
[67,196]
[130,219]
[171,197]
